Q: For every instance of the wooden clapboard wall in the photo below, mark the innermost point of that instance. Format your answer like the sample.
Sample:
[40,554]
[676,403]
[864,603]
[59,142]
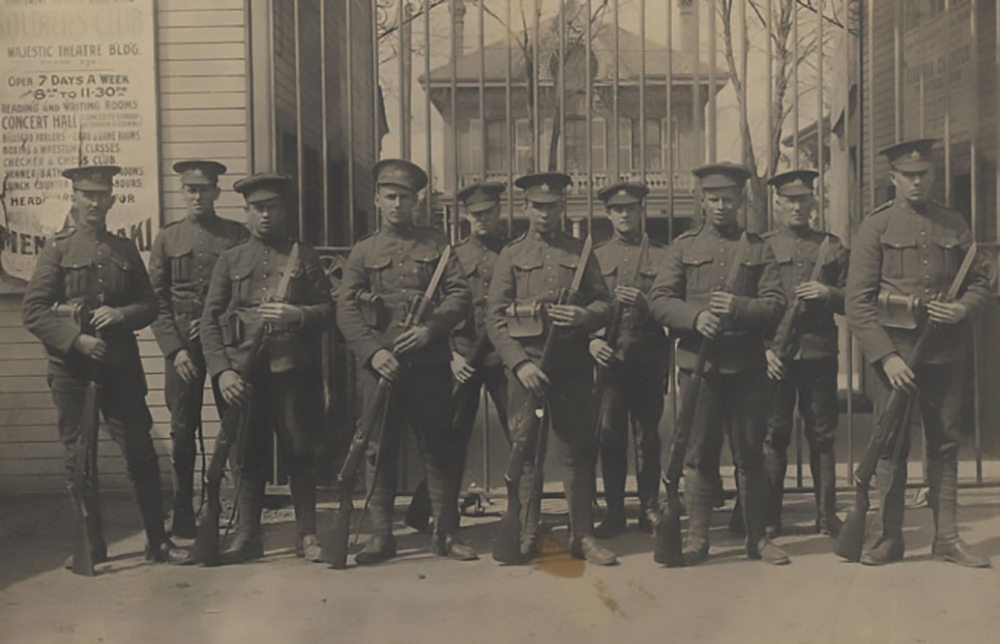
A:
[203,81]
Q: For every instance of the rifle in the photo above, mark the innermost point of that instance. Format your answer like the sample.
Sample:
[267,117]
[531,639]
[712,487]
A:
[785,345]
[614,330]
[336,544]
[850,543]
[668,550]
[84,488]
[525,427]
[234,425]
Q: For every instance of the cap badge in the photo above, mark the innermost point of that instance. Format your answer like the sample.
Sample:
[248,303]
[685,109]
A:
[545,187]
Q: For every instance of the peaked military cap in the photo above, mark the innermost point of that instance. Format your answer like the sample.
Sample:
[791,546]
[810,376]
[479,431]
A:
[623,194]
[722,175]
[479,197]
[263,186]
[198,172]
[794,182]
[399,172]
[92,177]
[911,156]
[544,187]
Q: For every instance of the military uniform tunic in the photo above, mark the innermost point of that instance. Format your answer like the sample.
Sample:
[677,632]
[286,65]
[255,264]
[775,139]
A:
[288,395]
[180,268]
[395,265]
[811,377]
[477,255]
[533,269]
[95,268]
[729,400]
[917,250]
[635,379]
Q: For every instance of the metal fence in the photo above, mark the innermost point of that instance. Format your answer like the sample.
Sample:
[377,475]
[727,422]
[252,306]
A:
[563,85]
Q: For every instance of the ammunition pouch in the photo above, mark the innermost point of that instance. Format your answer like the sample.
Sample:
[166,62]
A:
[233,329]
[525,319]
[898,311]
[77,312]
[373,309]
[188,307]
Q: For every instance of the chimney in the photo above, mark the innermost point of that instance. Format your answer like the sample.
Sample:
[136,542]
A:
[458,15]
[686,26]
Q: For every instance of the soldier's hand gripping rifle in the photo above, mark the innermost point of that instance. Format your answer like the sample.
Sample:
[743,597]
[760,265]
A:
[524,431]
[888,426]
[233,428]
[614,329]
[84,485]
[784,348]
[335,545]
[668,550]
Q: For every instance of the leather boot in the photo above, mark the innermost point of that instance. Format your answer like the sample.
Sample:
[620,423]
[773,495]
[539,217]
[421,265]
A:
[699,496]
[767,552]
[942,478]
[158,547]
[825,482]
[888,546]
[248,543]
[775,466]
[303,488]
[579,484]
[380,547]
[450,546]
[586,547]
[753,497]
[418,513]
[957,552]
[182,521]
[614,467]
[613,523]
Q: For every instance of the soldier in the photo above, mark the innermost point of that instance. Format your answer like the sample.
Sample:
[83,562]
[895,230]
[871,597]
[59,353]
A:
[477,254]
[531,270]
[636,366]
[687,297]
[86,264]
[288,393]
[912,247]
[810,375]
[180,267]
[383,274]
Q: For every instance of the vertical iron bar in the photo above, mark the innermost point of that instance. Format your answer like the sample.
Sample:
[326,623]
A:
[376,91]
[795,85]
[820,130]
[349,61]
[744,126]
[484,144]
[769,166]
[404,114]
[455,127]
[509,127]
[486,433]
[947,102]
[536,68]
[590,119]
[562,90]
[324,166]
[615,84]
[974,219]
[668,145]
[429,191]
[712,106]
[696,108]
[872,191]
[897,71]
[642,98]
[299,147]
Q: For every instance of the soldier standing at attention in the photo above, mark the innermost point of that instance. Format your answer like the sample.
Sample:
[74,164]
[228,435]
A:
[477,254]
[687,297]
[531,271]
[637,366]
[810,372]
[383,274]
[287,396]
[180,267]
[912,247]
[85,264]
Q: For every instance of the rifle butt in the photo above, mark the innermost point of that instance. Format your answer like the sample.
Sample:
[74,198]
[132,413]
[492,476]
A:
[83,556]
[507,547]
[851,540]
[335,545]
[669,547]
[206,542]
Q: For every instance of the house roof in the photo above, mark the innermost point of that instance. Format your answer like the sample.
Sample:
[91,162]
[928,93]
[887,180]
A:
[629,60]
